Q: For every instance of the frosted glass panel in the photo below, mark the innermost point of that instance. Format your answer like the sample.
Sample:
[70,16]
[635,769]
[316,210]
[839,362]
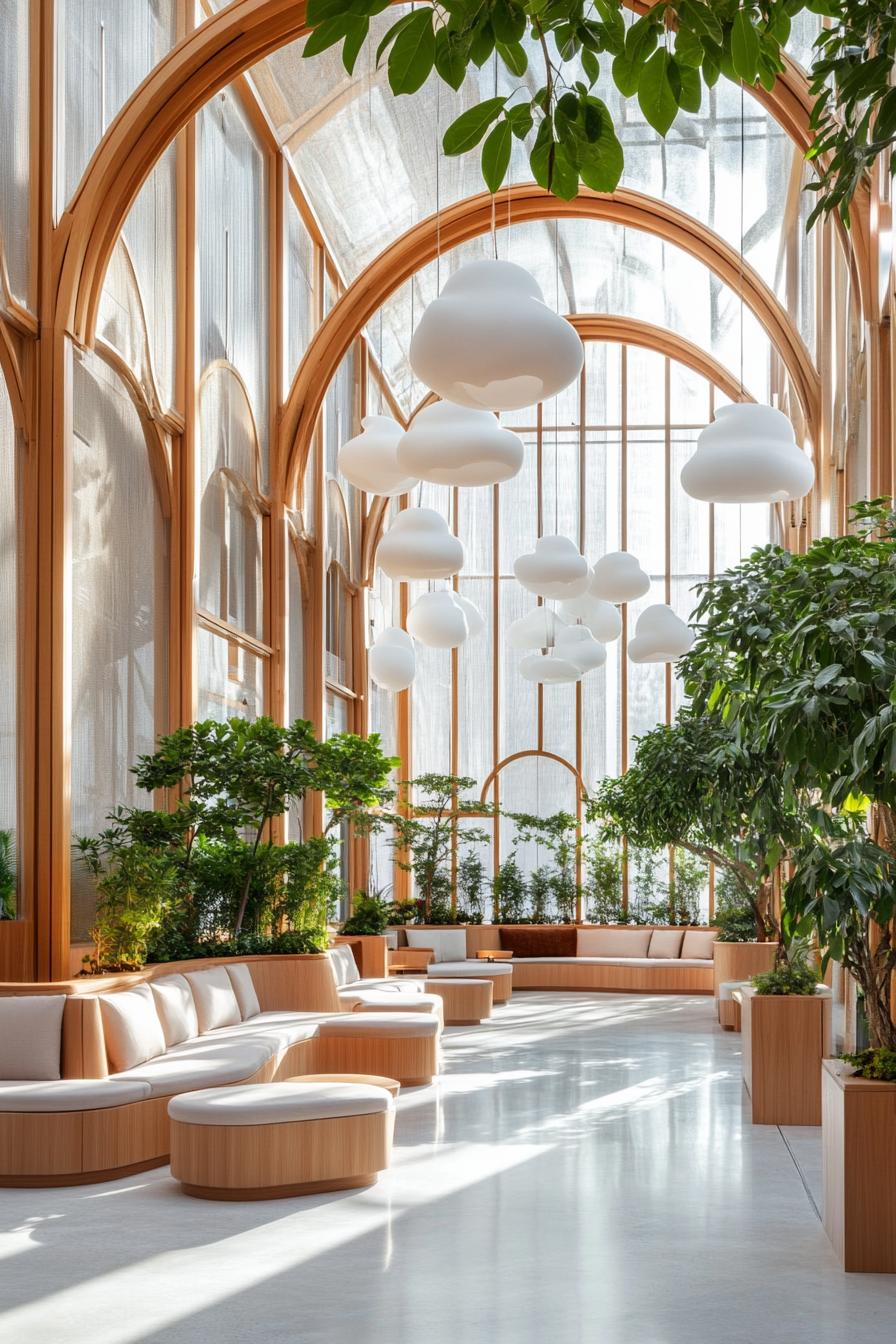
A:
[231,681]
[300,272]
[119,583]
[9,547]
[14,145]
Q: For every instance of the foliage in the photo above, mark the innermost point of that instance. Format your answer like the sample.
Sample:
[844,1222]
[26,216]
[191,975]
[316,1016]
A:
[797,657]
[8,876]
[666,58]
[510,892]
[794,977]
[209,869]
[604,886]
[733,916]
[370,915]
[472,887]
[686,888]
[539,892]
[877,1064]
[428,830]
[552,891]
[172,945]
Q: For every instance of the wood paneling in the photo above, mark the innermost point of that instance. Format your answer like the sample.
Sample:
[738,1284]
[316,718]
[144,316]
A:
[16,949]
[463,1004]
[370,954]
[413,1060]
[740,961]
[785,1039]
[572,974]
[859,1159]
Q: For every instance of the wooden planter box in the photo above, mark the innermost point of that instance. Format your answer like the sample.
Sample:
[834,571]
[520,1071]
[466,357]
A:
[369,951]
[740,961]
[785,1039]
[859,1159]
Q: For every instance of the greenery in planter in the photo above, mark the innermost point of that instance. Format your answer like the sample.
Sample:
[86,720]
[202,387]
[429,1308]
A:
[879,1065]
[8,876]
[370,915]
[510,892]
[687,884]
[732,916]
[539,895]
[208,871]
[797,658]
[472,887]
[795,977]
[426,832]
[667,58]
[604,860]
[554,893]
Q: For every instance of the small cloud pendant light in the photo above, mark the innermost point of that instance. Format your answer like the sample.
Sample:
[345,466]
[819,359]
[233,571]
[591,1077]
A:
[660,636]
[538,629]
[618,577]
[443,620]
[576,645]
[748,455]
[490,341]
[370,460]
[556,568]
[454,445]
[601,618]
[548,669]
[391,661]
[420,545]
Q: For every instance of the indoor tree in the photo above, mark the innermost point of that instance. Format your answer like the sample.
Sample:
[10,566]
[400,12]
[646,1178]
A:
[796,656]
[560,836]
[667,58]
[428,830]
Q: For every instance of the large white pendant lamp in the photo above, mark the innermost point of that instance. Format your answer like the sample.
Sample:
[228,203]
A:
[475,619]
[391,662]
[536,630]
[556,568]
[440,620]
[748,455]
[618,577]
[420,545]
[660,636]
[490,341]
[576,645]
[370,461]
[601,618]
[548,669]
[454,445]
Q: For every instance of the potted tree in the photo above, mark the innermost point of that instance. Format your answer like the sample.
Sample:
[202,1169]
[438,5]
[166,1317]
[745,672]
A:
[427,831]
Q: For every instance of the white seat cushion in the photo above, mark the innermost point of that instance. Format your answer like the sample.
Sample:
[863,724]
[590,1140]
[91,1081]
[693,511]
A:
[244,989]
[216,1003]
[447,944]
[278,1103]
[345,968]
[665,943]
[277,1031]
[699,943]
[727,987]
[31,1036]
[384,1001]
[379,1024]
[175,1007]
[473,970]
[612,942]
[459,980]
[206,1064]
[395,984]
[70,1094]
[131,1027]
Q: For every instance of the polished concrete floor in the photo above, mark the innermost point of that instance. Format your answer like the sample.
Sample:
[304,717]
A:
[583,1173]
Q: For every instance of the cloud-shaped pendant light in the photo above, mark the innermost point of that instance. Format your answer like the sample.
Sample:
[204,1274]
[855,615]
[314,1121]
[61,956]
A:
[420,545]
[660,636]
[748,455]
[370,460]
[391,662]
[556,568]
[455,445]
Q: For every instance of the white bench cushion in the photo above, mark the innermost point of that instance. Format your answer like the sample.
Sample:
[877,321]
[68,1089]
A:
[216,1003]
[175,1007]
[699,943]
[612,942]
[244,989]
[387,1002]
[204,1064]
[379,1024]
[665,943]
[70,1094]
[473,970]
[276,1031]
[31,1036]
[345,968]
[131,1027]
[278,1103]
[447,944]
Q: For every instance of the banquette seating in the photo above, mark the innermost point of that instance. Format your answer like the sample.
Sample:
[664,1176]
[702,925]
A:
[620,958]
[450,960]
[88,1066]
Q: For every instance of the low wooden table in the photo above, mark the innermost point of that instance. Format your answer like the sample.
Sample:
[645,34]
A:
[464,1002]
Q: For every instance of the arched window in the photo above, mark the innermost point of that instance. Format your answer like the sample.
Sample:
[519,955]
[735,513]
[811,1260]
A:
[9,585]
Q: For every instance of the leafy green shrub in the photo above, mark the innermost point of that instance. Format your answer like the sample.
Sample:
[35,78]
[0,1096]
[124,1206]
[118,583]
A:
[472,887]
[734,917]
[879,1065]
[176,947]
[510,891]
[794,978]
[603,876]
[8,876]
[370,915]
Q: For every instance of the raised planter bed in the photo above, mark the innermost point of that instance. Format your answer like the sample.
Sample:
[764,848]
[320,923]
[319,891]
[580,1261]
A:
[859,1161]
[785,1039]
[740,961]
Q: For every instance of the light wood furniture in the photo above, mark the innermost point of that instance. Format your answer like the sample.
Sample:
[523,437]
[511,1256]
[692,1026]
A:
[392,1085]
[785,1039]
[370,953]
[859,1162]
[729,1013]
[413,1060]
[740,961]
[570,973]
[278,1158]
[465,1003]
[493,954]
[409,960]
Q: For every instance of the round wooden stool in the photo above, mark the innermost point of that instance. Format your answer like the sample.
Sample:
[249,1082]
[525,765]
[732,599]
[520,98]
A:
[465,1002]
[392,1085]
[272,1140]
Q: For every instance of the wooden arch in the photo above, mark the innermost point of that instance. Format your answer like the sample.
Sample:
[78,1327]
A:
[471,218]
[202,63]
[532,751]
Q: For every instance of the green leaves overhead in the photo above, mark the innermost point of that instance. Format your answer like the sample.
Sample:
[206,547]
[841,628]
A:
[663,58]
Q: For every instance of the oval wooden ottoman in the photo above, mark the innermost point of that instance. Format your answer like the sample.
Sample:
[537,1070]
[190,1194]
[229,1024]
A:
[393,1045]
[273,1140]
[500,973]
[465,1002]
[392,1085]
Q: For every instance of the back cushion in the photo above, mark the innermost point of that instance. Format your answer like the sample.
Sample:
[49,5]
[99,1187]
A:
[612,942]
[698,944]
[537,942]
[665,943]
[447,944]
[244,989]
[216,1003]
[344,965]
[175,1007]
[131,1027]
[31,1037]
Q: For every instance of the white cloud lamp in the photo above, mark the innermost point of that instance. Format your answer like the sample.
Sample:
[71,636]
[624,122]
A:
[475,619]
[576,645]
[536,630]
[618,577]
[601,618]
[748,455]
[455,445]
[660,636]
[420,545]
[490,341]
[391,662]
[556,568]
[439,620]
[370,460]
[548,669]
